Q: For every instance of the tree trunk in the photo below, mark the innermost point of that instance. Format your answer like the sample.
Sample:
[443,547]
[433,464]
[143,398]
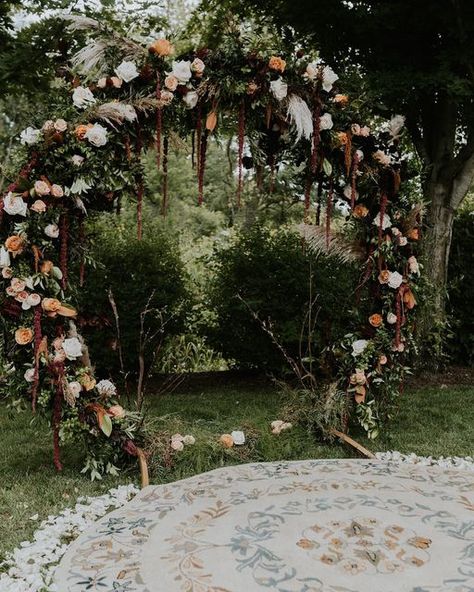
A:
[437,245]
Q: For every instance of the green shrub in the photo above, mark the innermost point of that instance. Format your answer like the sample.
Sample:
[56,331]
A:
[140,274]
[461,288]
[271,272]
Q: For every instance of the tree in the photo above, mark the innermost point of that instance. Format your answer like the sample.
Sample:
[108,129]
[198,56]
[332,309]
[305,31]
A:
[417,58]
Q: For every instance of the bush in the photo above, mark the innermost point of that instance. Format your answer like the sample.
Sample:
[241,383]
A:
[271,271]
[139,273]
[461,288]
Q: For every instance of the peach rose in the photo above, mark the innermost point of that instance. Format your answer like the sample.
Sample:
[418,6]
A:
[58,343]
[383,360]
[409,299]
[57,191]
[226,440]
[375,320]
[23,336]
[81,130]
[360,211]
[42,188]
[384,276]
[51,305]
[161,47]
[414,234]
[116,81]
[198,66]
[116,411]
[17,284]
[38,206]
[15,244]
[171,82]
[342,100]
[166,97]
[276,63]
[46,267]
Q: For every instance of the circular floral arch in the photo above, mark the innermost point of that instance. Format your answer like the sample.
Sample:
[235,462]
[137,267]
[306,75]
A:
[120,98]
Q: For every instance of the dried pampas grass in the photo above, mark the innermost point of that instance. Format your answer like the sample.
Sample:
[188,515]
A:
[300,115]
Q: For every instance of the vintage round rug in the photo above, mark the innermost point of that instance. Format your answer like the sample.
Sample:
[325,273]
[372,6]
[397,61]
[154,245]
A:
[310,526]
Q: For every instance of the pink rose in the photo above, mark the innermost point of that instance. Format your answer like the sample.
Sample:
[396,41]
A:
[38,206]
[41,188]
[171,82]
[7,273]
[18,285]
[57,191]
[116,81]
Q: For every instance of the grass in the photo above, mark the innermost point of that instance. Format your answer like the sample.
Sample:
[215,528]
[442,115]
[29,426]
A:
[432,421]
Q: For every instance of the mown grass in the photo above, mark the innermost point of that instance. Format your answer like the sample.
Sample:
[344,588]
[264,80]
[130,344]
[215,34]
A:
[432,421]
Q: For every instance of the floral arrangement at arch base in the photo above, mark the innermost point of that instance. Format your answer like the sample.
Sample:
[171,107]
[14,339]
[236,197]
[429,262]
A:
[120,98]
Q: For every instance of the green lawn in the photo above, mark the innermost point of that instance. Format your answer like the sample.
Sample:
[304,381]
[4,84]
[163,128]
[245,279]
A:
[432,421]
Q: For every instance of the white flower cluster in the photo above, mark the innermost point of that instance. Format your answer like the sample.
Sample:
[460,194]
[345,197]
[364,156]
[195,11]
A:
[449,462]
[31,566]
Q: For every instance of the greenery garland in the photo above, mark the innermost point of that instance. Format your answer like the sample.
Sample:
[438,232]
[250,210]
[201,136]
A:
[122,97]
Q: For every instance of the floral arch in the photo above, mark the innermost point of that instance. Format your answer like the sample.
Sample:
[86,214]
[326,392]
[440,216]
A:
[121,97]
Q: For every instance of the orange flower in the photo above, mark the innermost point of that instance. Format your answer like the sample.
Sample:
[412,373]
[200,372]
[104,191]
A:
[81,130]
[161,47]
[46,267]
[360,211]
[15,244]
[23,336]
[51,305]
[342,100]
[226,440]
[414,234]
[276,63]
[409,299]
[375,320]
[384,276]
[342,138]
[87,382]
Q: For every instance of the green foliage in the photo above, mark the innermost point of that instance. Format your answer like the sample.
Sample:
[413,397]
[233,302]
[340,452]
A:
[274,276]
[141,275]
[461,288]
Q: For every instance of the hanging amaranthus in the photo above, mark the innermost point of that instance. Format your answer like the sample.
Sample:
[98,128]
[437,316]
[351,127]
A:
[241,140]
[198,138]
[202,166]
[82,240]
[383,208]
[316,136]
[63,253]
[348,152]
[159,121]
[164,203]
[37,343]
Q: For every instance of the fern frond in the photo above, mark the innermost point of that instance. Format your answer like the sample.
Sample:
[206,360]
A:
[337,246]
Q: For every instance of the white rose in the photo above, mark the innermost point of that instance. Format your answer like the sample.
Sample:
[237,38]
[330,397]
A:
[127,71]
[279,89]
[29,375]
[82,97]
[325,122]
[30,136]
[97,135]
[359,346]
[329,78]
[72,348]
[391,318]
[74,388]
[191,99]
[31,300]
[77,160]
[395,280]
[106,388]
[189,440]
[359,154]
[386,222]
[238,438]
[403,241]
[5,260]
[311,71]
[177,445]
[14,205]
[60,125]
[52,230]
[182,71]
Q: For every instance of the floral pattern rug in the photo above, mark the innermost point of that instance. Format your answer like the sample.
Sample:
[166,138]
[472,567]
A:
[309,526]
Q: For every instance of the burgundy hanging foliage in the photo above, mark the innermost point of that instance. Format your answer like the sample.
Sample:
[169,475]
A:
[159,121]
[164,203]
[198,138]
[37,343]
[57,370]
[316,136]
[82,241]
[63,255]
[383,209]
[241,141]
[398,313]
